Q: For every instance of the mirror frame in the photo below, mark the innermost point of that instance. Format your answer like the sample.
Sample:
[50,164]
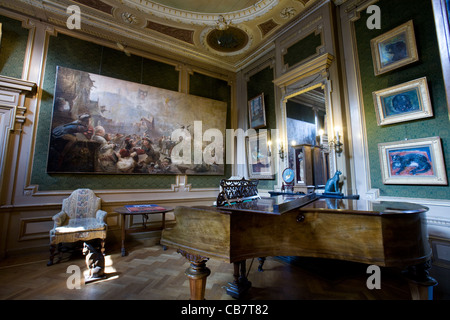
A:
[305,77]
[442,21]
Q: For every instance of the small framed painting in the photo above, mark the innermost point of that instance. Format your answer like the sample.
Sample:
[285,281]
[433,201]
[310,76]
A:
[403,102]
[259,156]
[394,49]
[418,161]
[257,112]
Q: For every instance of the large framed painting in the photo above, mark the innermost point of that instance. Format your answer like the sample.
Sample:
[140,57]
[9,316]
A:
[403,102]
[257,112]
[394,49]
[259,156]
[104,125]
[418,161]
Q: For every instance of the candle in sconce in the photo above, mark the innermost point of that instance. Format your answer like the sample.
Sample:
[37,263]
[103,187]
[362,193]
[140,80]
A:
[269,147]
[279,144]
[337,129]
[280,148]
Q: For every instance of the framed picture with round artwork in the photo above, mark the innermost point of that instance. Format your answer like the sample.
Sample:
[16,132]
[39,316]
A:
[403,102]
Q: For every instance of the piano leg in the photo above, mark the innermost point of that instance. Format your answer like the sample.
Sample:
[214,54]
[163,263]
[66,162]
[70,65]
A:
[240,285]
[420,283]
[197,274]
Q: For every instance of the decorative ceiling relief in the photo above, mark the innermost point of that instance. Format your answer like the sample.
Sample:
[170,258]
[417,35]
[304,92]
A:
[304,2]
[231,39]
[224,33]
[130,17]
[207,6]
[96,4]
[192,14]
[180,34]
[267,26]
[288,13]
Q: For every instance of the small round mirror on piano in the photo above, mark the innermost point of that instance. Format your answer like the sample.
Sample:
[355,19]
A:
[288,176]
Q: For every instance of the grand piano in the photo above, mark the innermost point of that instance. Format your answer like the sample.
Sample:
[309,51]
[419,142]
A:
[386,234]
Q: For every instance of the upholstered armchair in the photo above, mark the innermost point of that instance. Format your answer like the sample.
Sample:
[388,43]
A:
[80,219]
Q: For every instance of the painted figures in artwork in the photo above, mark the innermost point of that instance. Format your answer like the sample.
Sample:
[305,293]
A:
[106,125]
[65,136]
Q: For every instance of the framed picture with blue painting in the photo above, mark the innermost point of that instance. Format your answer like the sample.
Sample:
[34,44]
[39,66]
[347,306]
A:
[417,161]
[394,49]
[257,112]
[403,102]
[259,155]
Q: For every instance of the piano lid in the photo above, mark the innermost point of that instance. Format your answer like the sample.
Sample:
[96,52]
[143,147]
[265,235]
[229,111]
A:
[317,203]
[273,205]
[366,207]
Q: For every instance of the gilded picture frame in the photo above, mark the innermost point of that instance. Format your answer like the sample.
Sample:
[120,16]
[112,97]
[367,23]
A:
[417,161]
[257,112]
[404,102]
[259,156]
[394,49]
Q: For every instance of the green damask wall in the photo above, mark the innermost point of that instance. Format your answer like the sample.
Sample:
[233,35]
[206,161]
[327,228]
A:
[262,82]
[393,14]
[77,54]
[13,47]
[302,49]
[300,112]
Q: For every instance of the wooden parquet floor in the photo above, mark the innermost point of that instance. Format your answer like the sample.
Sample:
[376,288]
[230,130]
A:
[150,273]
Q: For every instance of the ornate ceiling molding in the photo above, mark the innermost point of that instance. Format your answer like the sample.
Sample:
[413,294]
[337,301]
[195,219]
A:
[198,18]
[146,26]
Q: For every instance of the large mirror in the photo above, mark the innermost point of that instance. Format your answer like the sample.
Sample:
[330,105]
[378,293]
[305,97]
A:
[306,127]
[306,120]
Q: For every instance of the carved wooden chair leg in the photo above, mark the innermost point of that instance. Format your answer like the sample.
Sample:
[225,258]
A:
[52,254]
[103,246]
[60,251]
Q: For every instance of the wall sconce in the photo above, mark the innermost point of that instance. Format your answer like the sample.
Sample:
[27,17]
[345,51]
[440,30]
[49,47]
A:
[336,143]
[281,150]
